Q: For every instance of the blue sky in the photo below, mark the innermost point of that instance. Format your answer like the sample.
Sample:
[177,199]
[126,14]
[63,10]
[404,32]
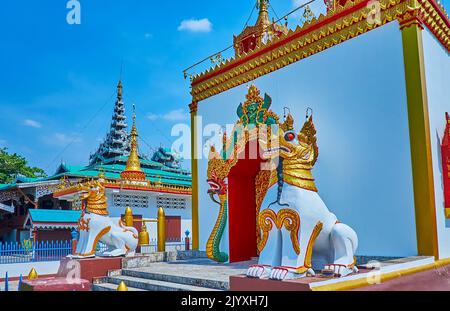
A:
[58,80]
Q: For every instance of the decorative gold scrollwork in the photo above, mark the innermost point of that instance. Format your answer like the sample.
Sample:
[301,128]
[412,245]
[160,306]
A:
[285,217]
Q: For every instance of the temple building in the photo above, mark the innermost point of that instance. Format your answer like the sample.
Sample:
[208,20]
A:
[48,208]
[380,169]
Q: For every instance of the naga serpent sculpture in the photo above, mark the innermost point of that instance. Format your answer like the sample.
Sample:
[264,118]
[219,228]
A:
[213,244]
[218,169]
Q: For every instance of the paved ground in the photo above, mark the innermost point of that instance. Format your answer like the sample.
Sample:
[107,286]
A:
[198,268]
[431,280]
[12,286]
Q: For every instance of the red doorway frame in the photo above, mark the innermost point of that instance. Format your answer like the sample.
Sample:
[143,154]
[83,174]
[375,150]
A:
[242,208]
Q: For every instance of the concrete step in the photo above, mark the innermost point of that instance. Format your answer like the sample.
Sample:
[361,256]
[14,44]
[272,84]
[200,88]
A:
[111,287]
[205,284]
[154,285]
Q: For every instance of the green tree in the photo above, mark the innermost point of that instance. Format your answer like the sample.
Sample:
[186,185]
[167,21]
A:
[13,165]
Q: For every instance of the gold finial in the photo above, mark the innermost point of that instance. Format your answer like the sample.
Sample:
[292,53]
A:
[33,274]
[122,287]
[133,169]
[119,90]
[263,17]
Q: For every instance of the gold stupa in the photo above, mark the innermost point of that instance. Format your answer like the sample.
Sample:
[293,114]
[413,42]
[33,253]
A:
[133,169]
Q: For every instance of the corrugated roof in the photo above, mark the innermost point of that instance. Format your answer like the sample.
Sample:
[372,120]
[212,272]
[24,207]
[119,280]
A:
[54,216]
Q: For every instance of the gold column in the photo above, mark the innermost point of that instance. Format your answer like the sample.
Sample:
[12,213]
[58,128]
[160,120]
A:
[194,167]
[161,230]
[419,134]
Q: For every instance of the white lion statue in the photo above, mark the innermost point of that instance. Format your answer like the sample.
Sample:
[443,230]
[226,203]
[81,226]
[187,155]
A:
[95,225]
[298,232]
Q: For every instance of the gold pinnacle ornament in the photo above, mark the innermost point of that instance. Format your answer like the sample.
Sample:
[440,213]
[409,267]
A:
[122,287]
[33,274]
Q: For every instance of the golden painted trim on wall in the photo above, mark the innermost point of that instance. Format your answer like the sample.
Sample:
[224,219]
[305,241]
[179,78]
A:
[420,143]
[352,284]
[345,23]
[194,169]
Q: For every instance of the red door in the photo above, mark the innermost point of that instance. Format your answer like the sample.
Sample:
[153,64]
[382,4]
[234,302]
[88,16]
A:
[173,228]
[242,208]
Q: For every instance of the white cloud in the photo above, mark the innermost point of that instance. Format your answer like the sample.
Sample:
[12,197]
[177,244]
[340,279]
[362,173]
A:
[32,123]
[148,35]
[152,116]
[196,25]
[62,139]
[174,115]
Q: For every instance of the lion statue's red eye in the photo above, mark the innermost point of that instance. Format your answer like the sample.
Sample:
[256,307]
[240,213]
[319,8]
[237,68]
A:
[289,136]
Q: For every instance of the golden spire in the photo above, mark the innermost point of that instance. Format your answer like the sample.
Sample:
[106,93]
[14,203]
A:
[263,17]
[133,169]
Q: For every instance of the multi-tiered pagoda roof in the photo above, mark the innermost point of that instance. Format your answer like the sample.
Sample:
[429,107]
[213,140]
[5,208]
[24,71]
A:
[117,141]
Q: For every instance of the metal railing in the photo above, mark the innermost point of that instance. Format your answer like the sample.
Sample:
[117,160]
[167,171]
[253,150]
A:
[171,245]
[15,252]
[27,251]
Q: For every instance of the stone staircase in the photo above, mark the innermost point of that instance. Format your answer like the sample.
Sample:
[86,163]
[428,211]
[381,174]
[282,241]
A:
[148,281]
[188,272]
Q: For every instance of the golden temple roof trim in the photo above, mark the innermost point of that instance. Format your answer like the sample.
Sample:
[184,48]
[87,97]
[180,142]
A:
[320,33]
[68,188]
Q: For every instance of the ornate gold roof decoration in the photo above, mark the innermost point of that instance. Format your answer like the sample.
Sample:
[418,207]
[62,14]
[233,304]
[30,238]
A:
[133,169]
[288,124]
[320,33]
[262,32]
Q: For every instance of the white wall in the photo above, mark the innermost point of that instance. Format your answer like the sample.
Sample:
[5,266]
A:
[437,74]
[363,173]
[151,212]
[17,269]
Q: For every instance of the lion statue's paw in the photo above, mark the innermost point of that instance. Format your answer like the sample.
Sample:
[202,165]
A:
[114,253]
[259,271]
[339,270]
[284,273]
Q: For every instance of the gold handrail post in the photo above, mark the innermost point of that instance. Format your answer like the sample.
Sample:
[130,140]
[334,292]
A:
[161,230]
